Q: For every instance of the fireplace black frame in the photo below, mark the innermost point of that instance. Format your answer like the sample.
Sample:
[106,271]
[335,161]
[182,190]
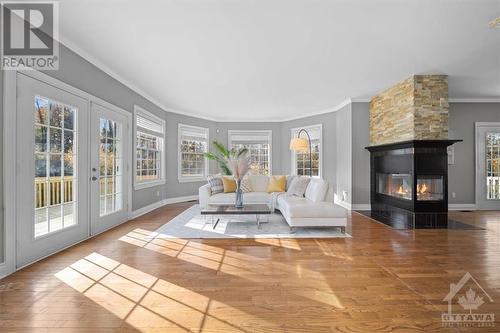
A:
[419,158]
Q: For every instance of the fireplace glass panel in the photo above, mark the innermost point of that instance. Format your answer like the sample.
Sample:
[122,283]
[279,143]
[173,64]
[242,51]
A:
[397,185]
[430,188]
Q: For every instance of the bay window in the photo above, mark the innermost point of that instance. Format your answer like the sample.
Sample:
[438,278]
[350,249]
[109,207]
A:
[193,144]
[301,160]
[149,168]
[258,143]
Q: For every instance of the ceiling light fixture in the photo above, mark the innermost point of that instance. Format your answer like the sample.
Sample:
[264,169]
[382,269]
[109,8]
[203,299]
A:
[495,23]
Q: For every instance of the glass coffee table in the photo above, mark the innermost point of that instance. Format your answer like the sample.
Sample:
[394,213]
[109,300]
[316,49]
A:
[253,209]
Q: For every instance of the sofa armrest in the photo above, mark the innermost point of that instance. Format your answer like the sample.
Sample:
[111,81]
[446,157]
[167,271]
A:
[204,194]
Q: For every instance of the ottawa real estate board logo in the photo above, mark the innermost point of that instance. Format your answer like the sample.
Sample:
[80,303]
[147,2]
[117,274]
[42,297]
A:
[469,294]
[30,34]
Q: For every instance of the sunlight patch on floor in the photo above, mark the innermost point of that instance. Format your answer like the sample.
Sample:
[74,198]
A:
[143,300]
[240,264]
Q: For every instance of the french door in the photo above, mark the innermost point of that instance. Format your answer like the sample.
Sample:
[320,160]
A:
[109,169]
[52,204]
[72,168]
[488,166]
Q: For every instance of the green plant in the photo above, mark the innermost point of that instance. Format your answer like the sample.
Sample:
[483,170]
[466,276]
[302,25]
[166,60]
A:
[223,155]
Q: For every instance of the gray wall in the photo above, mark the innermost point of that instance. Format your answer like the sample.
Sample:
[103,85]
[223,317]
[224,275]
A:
[462,117]
[79,73]
[2,225]
[329,148]
[360,156]
[276,147]
[461,123]
[343,160]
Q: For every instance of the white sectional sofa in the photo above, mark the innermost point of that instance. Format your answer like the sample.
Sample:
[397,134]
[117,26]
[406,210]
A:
[311,210]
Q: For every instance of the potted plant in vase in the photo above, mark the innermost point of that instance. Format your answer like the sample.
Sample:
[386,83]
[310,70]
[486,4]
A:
[232,162]
[239,166]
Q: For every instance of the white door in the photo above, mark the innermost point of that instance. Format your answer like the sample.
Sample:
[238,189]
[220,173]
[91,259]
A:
[52,169]
[110,135]
[488,166]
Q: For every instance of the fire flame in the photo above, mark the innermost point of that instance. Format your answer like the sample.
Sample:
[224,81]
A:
[400,190]
[421,189]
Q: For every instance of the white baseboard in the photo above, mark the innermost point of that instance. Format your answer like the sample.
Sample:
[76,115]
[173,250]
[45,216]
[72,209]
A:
[461,207]
[344,204]
[144,210]
[361,207]
[180,199]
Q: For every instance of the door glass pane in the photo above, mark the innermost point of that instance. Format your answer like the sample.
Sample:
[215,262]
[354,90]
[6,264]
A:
[55,166]
[493,166]
[110,165]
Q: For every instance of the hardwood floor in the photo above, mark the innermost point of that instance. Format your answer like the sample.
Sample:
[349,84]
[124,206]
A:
[381,280]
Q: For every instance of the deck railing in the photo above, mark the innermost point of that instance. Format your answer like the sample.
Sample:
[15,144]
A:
[53,192]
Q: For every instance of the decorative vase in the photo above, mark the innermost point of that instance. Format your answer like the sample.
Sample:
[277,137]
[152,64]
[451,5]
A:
[239,195]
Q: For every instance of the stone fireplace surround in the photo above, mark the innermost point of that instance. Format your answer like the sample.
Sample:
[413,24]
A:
[408,153]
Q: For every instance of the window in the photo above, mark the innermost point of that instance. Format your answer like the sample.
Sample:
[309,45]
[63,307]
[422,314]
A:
[258,144]
[492,166]
[55,166]
[300,160]
[149,143]
[193,143]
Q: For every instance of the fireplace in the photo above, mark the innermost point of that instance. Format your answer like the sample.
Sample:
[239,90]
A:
[409,182]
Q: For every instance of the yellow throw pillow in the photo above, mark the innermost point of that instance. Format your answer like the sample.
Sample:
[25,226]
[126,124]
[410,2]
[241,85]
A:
[229,184]
[276,184]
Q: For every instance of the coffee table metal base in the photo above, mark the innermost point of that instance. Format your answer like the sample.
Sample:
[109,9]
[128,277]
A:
[257,217]
[257,210]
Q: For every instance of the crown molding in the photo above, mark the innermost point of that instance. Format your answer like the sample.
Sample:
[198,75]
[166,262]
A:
[91,59]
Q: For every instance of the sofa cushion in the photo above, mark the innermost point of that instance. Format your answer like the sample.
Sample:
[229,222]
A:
[248,198]
[316,190]
[245,185]
[258,183]
[229,184]
[295,207]
[298,186]
[289,179]
[215,182]
[276,184]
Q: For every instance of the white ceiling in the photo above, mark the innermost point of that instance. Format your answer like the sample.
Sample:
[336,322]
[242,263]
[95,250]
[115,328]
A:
[256,60]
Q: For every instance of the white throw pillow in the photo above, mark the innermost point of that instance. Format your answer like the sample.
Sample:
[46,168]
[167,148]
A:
[289,180]
[258,183]
[298,186]
[245,185]
[316,190]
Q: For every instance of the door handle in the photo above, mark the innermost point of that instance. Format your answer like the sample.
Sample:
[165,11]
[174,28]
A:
[94,178]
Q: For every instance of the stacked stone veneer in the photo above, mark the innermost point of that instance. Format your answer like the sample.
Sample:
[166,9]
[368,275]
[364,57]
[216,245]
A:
[414,109]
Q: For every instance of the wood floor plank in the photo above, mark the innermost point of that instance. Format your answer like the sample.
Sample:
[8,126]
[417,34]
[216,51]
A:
[380,280]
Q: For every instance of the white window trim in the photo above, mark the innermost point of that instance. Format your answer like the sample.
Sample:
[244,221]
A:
[187,179]
[138,185]
[269,133]
[293,171]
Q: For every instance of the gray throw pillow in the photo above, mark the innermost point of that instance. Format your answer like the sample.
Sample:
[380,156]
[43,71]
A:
[298,186]
[216,185]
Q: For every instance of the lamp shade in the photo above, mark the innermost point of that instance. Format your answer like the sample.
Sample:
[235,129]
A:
[299,144]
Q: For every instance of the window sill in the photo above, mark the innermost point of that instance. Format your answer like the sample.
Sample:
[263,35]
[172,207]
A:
[192,180]
[143,185]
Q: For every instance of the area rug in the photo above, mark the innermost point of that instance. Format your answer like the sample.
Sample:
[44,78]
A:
[191,224]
